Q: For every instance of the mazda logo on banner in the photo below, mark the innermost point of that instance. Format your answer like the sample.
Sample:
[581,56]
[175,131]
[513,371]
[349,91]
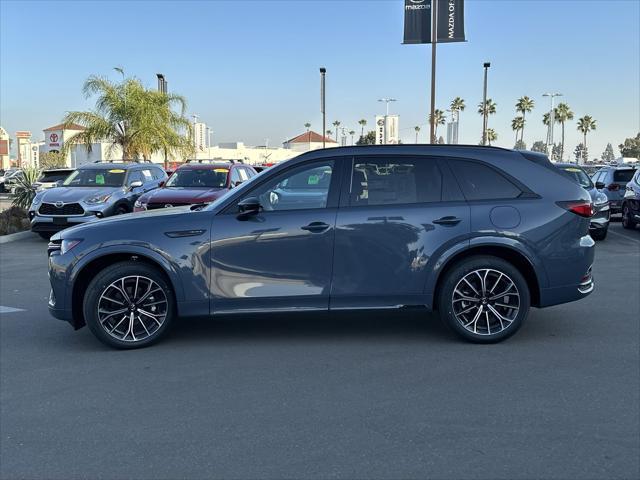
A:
[449,25]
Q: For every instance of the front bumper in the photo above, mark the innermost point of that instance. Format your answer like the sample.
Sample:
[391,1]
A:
[60,301]
[56,223]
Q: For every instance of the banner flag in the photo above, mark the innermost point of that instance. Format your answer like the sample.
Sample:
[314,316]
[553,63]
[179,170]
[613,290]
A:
[417,21]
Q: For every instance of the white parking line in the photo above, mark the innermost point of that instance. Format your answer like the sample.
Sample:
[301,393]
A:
[624,236]
[10,309]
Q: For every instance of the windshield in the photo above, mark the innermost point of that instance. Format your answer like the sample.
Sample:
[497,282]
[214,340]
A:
[579,176]
[53,176]
[199,178]
[623,176]
[96,177]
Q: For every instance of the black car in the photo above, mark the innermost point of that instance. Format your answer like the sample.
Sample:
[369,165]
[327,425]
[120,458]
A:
[479,233]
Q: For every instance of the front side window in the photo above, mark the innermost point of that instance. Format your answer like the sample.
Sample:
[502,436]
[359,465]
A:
[198,178]
[481,182]
[302,188]
[389,181]
[623,176]
[96,177]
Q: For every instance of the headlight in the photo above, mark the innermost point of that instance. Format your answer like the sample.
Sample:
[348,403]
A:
[601,199]
[140,204]
[36,201]
[98,199]
[68,245]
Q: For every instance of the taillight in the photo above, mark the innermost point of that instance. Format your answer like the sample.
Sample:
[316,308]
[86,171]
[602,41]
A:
[612,187]
[580,207]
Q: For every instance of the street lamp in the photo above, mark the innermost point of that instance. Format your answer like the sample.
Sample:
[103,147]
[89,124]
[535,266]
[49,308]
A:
[386,101]
[486,66]
[323,73]
[552,118]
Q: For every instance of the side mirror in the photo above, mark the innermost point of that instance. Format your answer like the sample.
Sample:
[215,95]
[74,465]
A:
[59,183]
[161,183]
[600,185]
[249,206]
[135,184]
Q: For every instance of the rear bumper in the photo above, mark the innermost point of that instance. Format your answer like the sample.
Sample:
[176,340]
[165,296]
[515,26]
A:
[568,293]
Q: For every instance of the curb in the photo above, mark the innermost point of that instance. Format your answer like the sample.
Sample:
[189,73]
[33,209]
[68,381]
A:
[14,237]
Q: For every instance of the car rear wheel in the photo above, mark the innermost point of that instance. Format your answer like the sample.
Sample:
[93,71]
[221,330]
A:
[627,220]
[129,305]
[484,299]
[600,234]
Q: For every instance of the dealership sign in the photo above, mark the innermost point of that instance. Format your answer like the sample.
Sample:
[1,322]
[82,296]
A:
[418,21]
[54,140]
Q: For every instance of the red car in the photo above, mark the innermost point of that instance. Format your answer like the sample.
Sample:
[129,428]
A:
[194,183]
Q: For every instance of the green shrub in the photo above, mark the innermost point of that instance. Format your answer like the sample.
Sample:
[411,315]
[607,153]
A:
[23,193]
[13,220]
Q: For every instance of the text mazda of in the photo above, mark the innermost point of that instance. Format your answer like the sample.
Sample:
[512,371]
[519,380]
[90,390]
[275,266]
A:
[479,233]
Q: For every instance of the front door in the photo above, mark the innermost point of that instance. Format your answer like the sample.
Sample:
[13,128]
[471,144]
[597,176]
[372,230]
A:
[395,217]
[281,257]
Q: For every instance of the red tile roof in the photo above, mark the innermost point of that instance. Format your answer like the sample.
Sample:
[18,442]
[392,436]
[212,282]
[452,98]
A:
[72,126]
[310,136]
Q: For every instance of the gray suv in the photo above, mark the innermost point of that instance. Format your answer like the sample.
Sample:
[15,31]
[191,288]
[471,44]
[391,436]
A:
[480,234]
[96,190]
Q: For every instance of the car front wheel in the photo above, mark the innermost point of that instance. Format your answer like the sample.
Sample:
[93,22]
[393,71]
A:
[129,305]
[484,299]
[627,220]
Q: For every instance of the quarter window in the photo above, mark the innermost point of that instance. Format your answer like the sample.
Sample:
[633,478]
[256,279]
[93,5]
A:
[480,182]
[390,181]
[302,188]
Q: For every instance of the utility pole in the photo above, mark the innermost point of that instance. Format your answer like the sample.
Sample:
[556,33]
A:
[485,114]
[323,73]
[552,119]
[434,41]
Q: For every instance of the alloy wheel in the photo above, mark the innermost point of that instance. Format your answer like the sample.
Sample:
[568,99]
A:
[132,308]
[486,301]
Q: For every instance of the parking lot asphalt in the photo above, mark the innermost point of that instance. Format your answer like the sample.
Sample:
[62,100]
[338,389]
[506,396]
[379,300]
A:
[367,396]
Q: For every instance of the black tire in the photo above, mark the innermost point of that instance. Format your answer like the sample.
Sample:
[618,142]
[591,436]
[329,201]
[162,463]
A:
[627,221]
[45,235]
[103,281]
[599,234]
[458,272]
[121,210]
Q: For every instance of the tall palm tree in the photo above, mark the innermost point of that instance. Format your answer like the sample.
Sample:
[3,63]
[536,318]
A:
[492,136]
[307,126]
[417,129]
[487,109]
[585,125]
[362,123]
[439,118]
[138,120]
[351,134]
[562,113]
[456,106]
[517,124]
[329,133]
[336,124]
[523,106]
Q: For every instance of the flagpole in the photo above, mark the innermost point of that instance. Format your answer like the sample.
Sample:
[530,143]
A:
[434,39]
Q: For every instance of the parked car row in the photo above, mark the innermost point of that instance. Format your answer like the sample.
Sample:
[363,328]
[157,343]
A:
[103,189]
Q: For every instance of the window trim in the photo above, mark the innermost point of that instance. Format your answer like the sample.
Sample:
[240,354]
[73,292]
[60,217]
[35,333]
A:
[333,195]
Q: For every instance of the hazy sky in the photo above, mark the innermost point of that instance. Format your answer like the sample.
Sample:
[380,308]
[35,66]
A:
[250,68]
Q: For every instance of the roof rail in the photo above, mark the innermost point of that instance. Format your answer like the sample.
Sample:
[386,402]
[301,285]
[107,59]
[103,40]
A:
[123,161]
[207,160]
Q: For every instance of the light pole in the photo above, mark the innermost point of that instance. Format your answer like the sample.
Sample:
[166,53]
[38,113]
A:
[386,101]
[323,74]
[486,66]
[552,118]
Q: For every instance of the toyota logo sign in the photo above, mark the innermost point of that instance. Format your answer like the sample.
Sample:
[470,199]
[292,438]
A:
[53,137]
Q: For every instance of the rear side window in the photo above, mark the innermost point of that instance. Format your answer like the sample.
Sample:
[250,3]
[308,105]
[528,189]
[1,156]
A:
[391,181]
[480,182]
[623,176]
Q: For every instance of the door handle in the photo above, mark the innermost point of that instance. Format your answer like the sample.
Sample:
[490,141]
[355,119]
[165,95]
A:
[448,220]
[316,227]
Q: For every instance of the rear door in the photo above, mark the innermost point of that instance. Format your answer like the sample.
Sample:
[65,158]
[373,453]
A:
[395,217]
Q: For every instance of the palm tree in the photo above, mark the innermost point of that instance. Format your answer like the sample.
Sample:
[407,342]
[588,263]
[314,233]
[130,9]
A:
[336,124]
[585,125]
[487,109]
[439,118]
[456,106]
[351,134]
[329,133]
[417,129]
[517,124]
[138,120]
[562,113]
[492,136]
[524,105]
[362,123]
[307,126]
